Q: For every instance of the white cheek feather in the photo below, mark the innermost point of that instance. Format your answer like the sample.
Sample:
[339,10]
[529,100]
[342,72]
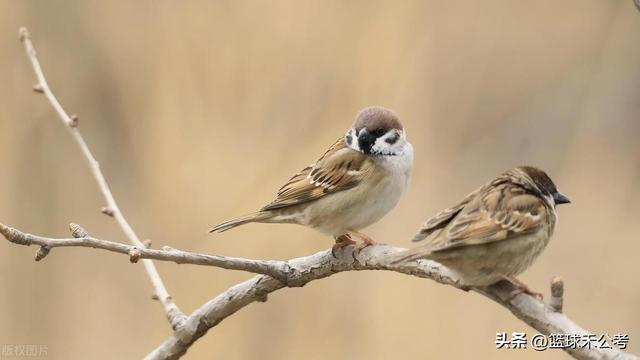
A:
[382,147]
[354,140]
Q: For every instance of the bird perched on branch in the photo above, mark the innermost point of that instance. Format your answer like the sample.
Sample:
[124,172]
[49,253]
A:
[494,233]
[357,181]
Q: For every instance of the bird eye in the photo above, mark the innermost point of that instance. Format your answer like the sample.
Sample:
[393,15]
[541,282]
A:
[379,132]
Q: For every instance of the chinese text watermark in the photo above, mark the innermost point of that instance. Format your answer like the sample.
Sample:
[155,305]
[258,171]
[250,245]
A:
[541,342]
[23,350]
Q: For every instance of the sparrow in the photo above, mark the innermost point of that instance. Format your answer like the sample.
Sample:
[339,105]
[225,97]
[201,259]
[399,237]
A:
[494,233]
[357,181]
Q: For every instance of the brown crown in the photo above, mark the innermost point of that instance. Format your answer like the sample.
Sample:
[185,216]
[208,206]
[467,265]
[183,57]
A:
[540,178]
[377,117]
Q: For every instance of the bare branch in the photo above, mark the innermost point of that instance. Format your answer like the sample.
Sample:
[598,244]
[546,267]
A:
[173,313]
[306,269]
[276,269]
[298,272]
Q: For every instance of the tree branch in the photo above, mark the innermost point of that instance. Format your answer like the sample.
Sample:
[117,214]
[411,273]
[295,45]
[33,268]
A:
[273,268]
[275,275]
[173,313]
[530,310]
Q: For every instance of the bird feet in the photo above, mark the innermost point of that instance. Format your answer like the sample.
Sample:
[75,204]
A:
[366,240]
[523,288]
[342,241]
[345,240]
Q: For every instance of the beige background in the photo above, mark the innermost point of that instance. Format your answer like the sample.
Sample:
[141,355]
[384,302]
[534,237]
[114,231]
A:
[199,110]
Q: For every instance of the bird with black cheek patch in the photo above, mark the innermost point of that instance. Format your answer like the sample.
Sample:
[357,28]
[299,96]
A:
[357,181]
[494,233]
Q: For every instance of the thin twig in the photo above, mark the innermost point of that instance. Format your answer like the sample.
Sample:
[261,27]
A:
[557,293]
[173,313]
[273,268]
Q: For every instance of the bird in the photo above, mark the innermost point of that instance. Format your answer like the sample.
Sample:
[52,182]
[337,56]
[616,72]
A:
[495,233]
[355,182]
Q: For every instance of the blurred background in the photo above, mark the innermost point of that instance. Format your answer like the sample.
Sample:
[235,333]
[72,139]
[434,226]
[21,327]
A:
[198,111]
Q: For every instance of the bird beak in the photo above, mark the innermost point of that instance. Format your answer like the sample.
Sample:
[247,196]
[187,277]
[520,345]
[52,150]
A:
[365,141]
[559,198]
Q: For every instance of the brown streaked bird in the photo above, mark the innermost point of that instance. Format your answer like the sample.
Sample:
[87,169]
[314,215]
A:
[494,233]
[357,181]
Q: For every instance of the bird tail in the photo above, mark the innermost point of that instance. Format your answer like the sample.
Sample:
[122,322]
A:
[408,255]
[230,224]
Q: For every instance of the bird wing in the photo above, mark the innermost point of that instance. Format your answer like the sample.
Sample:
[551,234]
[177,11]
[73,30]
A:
[498,212]
[443,218]
[339,169]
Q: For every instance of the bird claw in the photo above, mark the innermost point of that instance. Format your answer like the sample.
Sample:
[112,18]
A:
[519,291]
[342,241]
[523,288]
[365,243]
[345,240]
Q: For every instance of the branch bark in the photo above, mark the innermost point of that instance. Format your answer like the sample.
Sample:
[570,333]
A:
[273,268]
[173,313]
[530,310]
[274,275]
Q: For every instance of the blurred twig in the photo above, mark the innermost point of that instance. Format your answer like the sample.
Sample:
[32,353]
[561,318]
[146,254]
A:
[637,2]
[174,315]
[275,274]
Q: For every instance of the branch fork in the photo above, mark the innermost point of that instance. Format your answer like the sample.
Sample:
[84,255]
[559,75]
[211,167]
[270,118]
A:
[71,122]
